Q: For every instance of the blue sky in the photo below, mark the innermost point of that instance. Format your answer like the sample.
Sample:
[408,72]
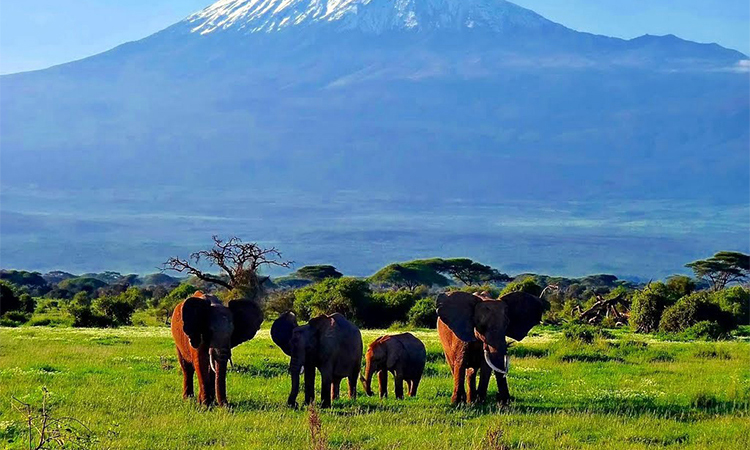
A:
[38,34]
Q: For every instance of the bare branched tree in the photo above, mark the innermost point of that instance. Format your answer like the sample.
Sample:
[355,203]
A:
[240,264]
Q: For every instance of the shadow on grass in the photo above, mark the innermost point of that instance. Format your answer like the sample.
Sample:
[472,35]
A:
[263,369]
[704,405]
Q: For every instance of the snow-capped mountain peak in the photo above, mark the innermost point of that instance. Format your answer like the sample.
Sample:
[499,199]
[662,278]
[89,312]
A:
[370,16]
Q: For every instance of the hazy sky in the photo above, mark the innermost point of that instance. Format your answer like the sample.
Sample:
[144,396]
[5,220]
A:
[40,33]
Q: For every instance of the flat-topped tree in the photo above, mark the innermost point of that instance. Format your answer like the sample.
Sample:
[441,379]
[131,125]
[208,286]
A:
[318,273]
[722,269]
[240,263]
[409,275]
[468,272]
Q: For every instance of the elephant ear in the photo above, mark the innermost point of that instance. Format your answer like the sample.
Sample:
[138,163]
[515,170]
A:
[524,312]
[281,331]
[247,317]
[456,310]
[196,312]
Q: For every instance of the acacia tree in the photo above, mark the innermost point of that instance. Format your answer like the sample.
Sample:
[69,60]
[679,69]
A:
[722,269]
[240,263]
[469,272]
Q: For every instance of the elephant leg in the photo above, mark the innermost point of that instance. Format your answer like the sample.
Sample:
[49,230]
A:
[459,394]
[325,390]
[353,385]
[309,384]
[336,388]
[187,376]
[484,383]
[503,395]
[414,387]
[399,385]
[383,383]
[471,385]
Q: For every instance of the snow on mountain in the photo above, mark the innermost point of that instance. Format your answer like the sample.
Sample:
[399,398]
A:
[370,16]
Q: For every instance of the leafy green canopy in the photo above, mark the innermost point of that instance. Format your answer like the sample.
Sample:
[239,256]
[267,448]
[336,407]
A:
[722,269]
[435,272]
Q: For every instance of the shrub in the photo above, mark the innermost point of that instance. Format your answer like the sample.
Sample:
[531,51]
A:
[694,308]
[117,310]
[423,313]
[527,285]
[704,330]
[348,296]
[389,307]
[279,302]
[14,318]
[736,301]
[648,306]
[575,332]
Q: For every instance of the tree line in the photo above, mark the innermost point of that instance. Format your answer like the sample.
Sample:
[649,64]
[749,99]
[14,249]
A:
[710,304]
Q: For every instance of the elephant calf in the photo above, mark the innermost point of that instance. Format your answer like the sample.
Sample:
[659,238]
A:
[330,344]
[403,355]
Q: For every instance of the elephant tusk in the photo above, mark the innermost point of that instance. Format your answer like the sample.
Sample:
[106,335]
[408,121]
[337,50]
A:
[301,370]
[211,361]
[492,366]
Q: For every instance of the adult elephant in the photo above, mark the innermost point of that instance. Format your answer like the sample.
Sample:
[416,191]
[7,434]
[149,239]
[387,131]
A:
[472,331]
[205,331]
[404,355]
[329,343]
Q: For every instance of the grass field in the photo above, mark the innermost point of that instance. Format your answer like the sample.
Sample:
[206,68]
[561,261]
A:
[630,392]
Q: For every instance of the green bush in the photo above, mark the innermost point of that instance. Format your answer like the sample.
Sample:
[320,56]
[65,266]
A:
[348,296]
[704,330]
[694,308]
[528,285]
[423,313]
[279,302]
[14,318]
[648,306]
[576,332]
[389,307]
[736,301]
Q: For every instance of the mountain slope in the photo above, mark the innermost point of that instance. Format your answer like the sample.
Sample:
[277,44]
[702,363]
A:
[407,97]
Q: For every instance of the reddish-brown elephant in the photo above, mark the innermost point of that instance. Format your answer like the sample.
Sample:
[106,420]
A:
[404,355]
[472,331]
[205,331]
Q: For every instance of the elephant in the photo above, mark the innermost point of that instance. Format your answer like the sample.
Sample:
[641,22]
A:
[329,343]
[472,331]
[204,332]
[403,355]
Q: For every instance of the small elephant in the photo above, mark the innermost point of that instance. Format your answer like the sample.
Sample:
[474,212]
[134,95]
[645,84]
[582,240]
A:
[205,331]
[329,343]
[403,355]
[472,331]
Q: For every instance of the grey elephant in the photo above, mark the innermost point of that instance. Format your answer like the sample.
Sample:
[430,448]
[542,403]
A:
[472,331]
[404,355]
[329,343]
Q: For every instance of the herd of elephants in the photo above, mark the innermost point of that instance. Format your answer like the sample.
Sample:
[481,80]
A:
[472,329]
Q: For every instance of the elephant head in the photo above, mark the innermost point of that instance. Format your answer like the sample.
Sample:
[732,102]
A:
[207,321]
[473,318]
[301,343]
[381,354]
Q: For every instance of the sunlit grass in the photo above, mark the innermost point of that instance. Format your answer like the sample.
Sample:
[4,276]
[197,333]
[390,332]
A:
[628,392]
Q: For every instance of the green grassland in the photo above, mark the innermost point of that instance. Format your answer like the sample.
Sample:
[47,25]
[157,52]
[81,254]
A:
[629,392]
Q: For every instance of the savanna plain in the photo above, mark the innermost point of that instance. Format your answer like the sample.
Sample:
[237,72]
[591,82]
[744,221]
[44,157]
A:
[621,391]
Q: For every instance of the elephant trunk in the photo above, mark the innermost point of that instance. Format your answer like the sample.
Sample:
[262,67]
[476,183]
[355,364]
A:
[296,368]
[221,383]
[367,378]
